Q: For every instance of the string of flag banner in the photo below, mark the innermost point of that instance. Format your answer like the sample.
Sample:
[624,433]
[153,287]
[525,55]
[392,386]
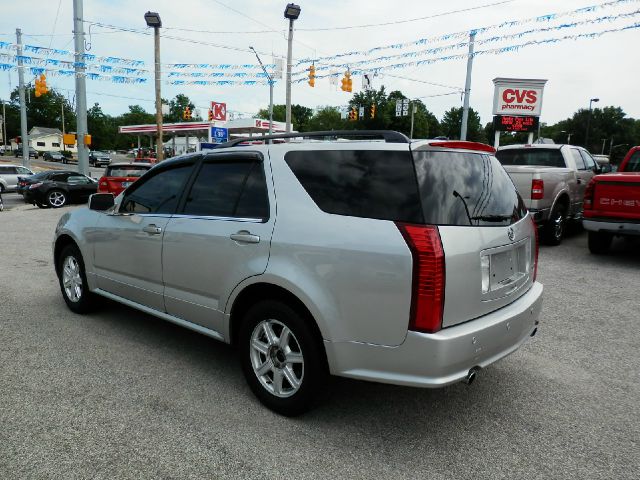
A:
[492,51]
[456,46]
[463,34]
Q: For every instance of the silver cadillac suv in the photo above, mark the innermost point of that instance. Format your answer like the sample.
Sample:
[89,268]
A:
[377,258]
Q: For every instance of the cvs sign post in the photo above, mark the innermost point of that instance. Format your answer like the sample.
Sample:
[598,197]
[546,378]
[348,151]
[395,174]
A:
[513,98]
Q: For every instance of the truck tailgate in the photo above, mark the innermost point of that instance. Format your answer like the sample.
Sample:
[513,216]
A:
[617,196]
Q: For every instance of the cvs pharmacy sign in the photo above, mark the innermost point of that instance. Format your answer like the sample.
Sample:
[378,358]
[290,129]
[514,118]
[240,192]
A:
[518,97]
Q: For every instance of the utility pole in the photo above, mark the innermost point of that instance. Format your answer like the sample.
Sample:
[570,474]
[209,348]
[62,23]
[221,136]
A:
[81,88]
[289,60]
[159,139]
[62,111]
[4,126]
[413,112]
[24,134]
[467,88]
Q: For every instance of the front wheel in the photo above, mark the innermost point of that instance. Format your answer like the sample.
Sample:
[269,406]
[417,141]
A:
[599,242]
[56,198]
[555,226]
[281,358]
[73,280]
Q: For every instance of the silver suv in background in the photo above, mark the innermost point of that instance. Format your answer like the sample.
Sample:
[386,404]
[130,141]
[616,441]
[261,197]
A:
[405,263]
[9,176]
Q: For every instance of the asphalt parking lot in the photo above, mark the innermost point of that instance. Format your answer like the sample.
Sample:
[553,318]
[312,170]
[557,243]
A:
[120,394]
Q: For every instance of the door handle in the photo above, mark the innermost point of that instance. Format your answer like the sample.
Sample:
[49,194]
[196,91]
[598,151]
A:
[244,236]
[152,229]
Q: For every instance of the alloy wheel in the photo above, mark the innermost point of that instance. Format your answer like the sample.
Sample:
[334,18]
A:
[72,279]
[276,358]
[56,199]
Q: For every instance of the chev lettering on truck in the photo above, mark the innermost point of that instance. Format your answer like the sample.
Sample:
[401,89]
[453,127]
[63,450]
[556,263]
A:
[617,201]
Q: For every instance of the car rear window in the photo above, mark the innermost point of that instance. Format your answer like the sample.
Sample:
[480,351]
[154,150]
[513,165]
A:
[459,188]
[360,183]
[633,165]
[542,157]
[133,171]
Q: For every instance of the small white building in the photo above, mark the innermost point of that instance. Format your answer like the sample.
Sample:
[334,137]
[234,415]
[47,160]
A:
[44,139]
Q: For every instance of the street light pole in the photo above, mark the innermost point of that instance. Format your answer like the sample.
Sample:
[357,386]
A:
[291,12]
[586,137]
[153,20]
[270,78]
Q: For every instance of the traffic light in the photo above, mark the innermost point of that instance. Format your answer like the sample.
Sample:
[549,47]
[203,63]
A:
[312,75]
[347,82]
[186,114]
[41,85]
[353,114]
[211,115]
[373,111]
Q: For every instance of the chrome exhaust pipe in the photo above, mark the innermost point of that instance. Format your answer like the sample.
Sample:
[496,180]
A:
[471,376]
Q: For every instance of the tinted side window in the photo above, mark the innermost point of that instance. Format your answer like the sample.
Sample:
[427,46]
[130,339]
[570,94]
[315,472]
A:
[234,189]
[7,170]
[59,177]
[578,159]
[466,189]
[360,183]
[78,180]
[159,193]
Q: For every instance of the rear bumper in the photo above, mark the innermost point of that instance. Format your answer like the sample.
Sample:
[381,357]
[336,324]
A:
[616,227]
[443,358]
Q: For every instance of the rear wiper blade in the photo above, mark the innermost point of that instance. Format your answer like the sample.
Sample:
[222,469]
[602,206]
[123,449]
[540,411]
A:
[492,218]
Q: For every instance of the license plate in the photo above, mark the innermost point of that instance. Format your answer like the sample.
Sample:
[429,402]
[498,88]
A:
[503,267]
[125,184]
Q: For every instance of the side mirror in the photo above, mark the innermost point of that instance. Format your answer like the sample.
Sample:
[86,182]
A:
[101,201]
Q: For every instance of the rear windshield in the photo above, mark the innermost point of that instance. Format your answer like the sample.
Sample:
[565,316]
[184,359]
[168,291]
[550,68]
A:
[441,188]
[542,157]
[466,189]
[633,165]
[133,171]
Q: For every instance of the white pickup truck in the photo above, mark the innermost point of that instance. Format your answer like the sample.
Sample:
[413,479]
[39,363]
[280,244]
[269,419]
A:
[551,180]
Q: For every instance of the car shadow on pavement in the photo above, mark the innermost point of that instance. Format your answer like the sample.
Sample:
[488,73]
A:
[370,409]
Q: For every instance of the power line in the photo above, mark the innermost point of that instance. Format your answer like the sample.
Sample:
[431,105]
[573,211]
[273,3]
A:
[458,89]
[398,22]
[55,22]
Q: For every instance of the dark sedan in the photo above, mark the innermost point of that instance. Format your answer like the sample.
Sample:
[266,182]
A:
[53,156]
[56,188]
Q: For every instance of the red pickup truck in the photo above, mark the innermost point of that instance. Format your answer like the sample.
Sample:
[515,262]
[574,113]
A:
[612,204]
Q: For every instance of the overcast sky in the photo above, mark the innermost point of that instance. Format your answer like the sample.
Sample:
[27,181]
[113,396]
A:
[577,70]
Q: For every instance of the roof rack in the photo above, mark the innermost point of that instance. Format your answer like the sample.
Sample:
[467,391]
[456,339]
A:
[389,136]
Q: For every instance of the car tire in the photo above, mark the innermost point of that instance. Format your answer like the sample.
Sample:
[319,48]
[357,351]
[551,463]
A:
[42,205]
[73,281]
[56,198]
[599,242]
[281,357]
[555,226]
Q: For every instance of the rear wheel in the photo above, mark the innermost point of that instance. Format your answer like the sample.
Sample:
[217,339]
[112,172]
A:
[73,281]
[555,227]
[281,358]
[599,242]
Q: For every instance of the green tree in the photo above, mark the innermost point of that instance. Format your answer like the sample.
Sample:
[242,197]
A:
[452,121]
[177,106]
[300,116]
[327,118]
[43,111]
[102,128]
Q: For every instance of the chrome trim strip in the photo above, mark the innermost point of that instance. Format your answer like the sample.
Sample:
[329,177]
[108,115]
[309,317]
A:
[226,219]
[164,316]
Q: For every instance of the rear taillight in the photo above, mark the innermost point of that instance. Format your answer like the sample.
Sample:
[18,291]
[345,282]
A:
[535,248]
[537,189]
[427,293]
[588,195]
